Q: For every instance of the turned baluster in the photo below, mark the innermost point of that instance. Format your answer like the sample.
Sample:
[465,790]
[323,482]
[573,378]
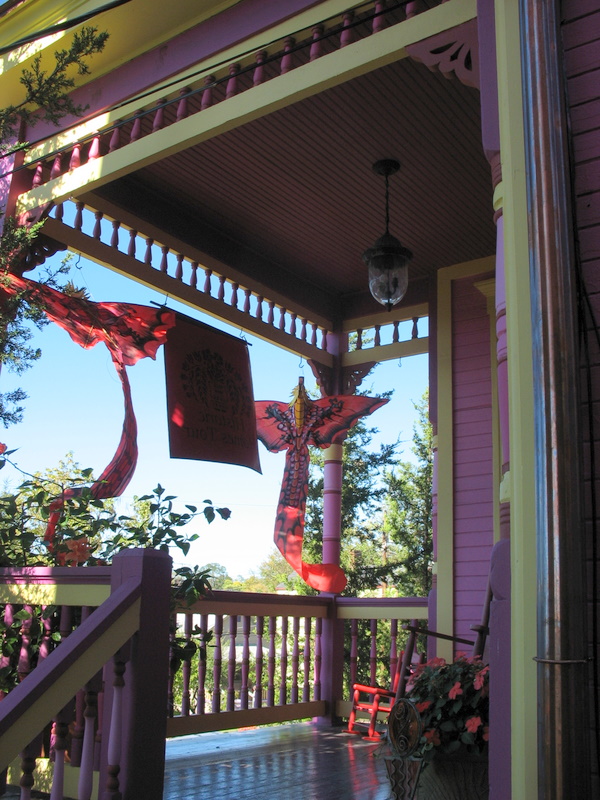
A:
[148,253]
[283,662]
[115,139]
[271,314]
[359,341]
[415,328]
[46,642]
[164,264]
[136,128]
[247,296]
[318,656]
[413,8]
[282,316]
[295,658]
[245,661]
[24,662]
[347,35]
[231,663]
[202,655]
[182,105]
[76,746]
[323,339]
[207,92]
[59,212]
[259,302]
[94,151]
[207,286]
[75,160]
[132,243]
[373,653]
[379,21]
[78,221]
[61,731]
[115,734]
[38,176]
[260,629]
[221,292]
[271,659]
[303,330]
[8,621]
[258,76]
[186,668]
[377,341]
[316,48]
[287,58]
[393,649]
[396,334]
[293,325]
[232,84]
[179,267]
[97,231]
[194,275]
[159,117]
[306,659]
[353,651]
[56,168]
[217,661]
[234,294]
[28,763]
[86,771]
[114,239]
[313,338]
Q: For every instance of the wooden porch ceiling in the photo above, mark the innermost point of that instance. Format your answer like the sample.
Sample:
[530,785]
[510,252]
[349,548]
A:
[290,199]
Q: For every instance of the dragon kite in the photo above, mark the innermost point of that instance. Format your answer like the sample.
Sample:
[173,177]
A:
[293,427]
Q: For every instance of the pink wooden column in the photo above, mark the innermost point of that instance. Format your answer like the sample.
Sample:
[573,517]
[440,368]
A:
[332,503]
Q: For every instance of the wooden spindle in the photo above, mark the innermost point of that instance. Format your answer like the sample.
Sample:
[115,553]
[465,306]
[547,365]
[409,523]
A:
[114,239]
[247,296]
[78,220]
[28,764]
[373,653]
[202,656]
[293,324]
[115,734]
[313,338]
[207,92]
[38,176]
[258,662]
[347,35]
[24,662]
[271,659]
[132,243]
[271,313]
[353,651]
[413,8]
[97,231]
[221,292]
[282,318]
[59,212]
[396,333]
[94,151]
[207,282]
[186,668]
[232,84]
[393,649]
[306,659]
[295,658]
[415,328]
[377,341]
[86,771]
[359,341]
[77,729]
[182,105]
[379,21]
[136,128]
[148,253]
[217,662]
[158,123]
[115,139]
[245,661]
[234,294]
[231,663]
[283,662]
[164,263]
[194,275]
[323,339]
[287,58]
[179,267]
[56,168]
[75,160]
[259,76]
[318,657]
[316,48]
[46,640]
[303,330]
[61,731]
[259,307]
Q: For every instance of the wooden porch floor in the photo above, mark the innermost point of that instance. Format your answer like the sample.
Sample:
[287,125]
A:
[286,762]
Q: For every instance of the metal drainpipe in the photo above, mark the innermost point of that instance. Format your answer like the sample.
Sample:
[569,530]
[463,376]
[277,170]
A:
[563,760]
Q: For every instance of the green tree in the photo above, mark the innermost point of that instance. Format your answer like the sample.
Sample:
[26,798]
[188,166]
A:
[46,96]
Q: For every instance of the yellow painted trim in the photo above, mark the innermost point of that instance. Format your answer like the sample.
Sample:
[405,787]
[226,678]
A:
[386,352]
[28,725]
[505,484]
[488,289]
[43,776]
[445,452]
[332,70]
[53,594]
[377,612]
[521,404]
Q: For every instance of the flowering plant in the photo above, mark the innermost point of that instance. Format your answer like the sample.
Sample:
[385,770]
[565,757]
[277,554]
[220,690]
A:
[453,702]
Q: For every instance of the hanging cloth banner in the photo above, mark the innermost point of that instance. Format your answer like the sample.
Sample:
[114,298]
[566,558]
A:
[210,403]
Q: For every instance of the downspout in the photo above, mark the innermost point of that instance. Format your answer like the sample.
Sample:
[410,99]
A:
[562,667]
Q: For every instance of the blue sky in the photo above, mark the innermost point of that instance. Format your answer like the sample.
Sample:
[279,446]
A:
[75,404]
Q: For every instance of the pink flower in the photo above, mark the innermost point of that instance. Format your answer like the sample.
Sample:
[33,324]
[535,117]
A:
[433,736]
[79,550]
[480,678]
[472,724]
[436,662]
[422,706]
[3,448]
[455,691]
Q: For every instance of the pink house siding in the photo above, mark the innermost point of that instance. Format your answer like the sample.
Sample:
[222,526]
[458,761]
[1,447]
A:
[473,453]
[581,37]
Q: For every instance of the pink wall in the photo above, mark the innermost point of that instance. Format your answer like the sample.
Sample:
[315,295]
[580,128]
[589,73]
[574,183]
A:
[581,37]
[473,474]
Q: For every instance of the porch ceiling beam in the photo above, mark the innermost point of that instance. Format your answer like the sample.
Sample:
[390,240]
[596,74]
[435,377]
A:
[386,352]
[332,70]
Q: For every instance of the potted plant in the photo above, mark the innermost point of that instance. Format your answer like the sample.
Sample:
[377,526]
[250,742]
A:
[452,700]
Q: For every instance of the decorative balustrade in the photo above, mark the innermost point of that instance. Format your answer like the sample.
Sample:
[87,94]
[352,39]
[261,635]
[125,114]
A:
[212,85]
